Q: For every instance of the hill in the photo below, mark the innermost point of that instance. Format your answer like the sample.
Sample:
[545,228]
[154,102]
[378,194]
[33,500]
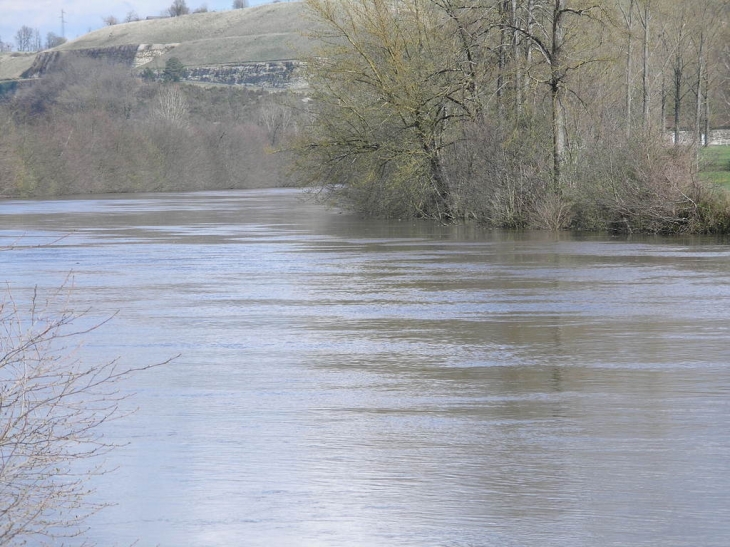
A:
[271,32]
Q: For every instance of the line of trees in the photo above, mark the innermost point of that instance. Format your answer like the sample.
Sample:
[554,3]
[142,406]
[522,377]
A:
[547,113]
[91,126]
[28,40]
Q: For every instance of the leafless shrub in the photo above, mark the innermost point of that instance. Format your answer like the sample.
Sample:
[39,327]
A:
[552,212]
[498,180]
[171,106]
[53,404]
[643,186]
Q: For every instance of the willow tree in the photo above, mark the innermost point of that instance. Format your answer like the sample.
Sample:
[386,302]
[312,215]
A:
[388,87]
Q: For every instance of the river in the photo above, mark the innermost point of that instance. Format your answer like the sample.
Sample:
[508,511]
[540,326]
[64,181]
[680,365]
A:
[350,382]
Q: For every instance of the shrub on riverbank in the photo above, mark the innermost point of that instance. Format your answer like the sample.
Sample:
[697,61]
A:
[645,186]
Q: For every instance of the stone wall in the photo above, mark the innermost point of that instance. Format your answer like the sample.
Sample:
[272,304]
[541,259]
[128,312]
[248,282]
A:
[718,137]
[267,75]
[147,53]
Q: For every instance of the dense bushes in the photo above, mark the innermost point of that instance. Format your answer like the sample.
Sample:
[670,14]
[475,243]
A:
[92,127]
[524,114]
[642,185]
[619,185]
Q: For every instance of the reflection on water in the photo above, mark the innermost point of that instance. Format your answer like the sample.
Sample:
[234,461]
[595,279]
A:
[348,382]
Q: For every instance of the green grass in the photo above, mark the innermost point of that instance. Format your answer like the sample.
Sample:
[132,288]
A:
[715,165]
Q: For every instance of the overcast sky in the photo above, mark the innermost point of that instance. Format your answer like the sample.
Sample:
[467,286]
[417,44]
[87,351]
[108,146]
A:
[81,16]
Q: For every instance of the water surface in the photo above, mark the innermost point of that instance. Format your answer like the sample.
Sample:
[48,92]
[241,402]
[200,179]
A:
[352,382]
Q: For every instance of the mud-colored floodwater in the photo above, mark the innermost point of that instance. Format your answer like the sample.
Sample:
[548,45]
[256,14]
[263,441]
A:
[358,383]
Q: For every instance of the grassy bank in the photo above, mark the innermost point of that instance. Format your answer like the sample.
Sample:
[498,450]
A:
[715,165]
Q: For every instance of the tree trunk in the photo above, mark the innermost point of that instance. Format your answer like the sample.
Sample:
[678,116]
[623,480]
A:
[678,69]
[529,24]
[645,67]
[700,78]
[516,58]
[663,124]
[557,91]
[504,39]
[629,20]
[707,108]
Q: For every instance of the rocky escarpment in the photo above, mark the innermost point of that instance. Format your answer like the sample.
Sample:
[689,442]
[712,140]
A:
[282,74]
[146,53]
[46,60]
[265,74]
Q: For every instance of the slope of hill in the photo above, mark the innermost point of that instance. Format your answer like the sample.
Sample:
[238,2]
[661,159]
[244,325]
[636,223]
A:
[12,65]
[264,33]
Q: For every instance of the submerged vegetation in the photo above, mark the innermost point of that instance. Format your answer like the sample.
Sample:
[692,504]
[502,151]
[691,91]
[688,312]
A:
[523,113]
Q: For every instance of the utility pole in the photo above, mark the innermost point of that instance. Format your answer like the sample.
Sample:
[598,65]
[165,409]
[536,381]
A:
[63,24]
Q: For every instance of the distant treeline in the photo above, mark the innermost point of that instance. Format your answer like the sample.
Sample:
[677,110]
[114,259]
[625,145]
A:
[90,126]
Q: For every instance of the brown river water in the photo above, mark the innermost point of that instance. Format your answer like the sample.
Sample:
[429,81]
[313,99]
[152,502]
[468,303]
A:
[348,382]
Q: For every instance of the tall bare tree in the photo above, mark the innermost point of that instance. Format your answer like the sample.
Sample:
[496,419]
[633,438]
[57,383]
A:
[177,8]
[25,39]
[548,35]
[627,12]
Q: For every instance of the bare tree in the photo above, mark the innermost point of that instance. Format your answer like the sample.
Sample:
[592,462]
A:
[177,8]
[240,4]
[645,17]
[37,43]
[277,119]
[24,39]
[627,13]
[52,406]
[54,40]
[131,16]
[110,20]
[171,106]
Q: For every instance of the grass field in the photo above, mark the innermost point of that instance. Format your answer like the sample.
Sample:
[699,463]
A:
[268,32]
[715,165]
[263,33]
